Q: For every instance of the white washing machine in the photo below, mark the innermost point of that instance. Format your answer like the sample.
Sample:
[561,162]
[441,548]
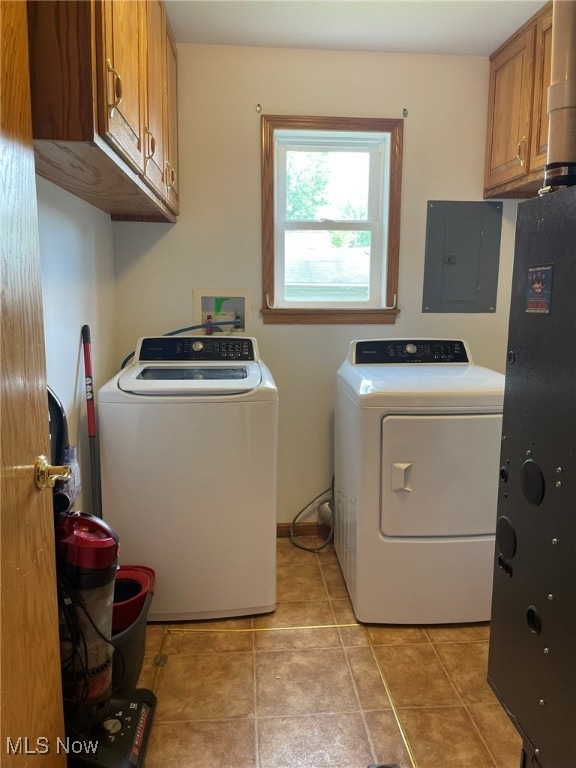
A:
[188,446]
[417,446]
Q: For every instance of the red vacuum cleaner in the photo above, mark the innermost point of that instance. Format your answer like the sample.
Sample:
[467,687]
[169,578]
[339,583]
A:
[106,716]
[87,553]
[112,726]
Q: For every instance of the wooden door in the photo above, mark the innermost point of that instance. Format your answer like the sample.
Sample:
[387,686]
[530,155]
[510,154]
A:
[509,107]
[172,181]
[31,720]
[155,96]
[120,35]
[542,70]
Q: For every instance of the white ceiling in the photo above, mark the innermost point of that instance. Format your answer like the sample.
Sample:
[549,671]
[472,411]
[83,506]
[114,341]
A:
[465,27]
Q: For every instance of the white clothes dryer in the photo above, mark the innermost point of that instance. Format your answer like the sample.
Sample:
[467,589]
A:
[188,446]
[417,445]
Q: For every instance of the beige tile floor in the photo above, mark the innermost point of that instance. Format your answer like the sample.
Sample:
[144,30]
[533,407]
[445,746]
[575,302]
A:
[307,687]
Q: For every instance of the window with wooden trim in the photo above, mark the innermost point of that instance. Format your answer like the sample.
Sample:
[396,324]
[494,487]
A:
[330,219]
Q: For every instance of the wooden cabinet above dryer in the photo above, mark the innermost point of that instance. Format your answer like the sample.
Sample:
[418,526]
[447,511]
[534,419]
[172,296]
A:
[517,136]
[99,103]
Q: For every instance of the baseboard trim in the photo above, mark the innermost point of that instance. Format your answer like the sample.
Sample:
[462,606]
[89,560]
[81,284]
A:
[302,529]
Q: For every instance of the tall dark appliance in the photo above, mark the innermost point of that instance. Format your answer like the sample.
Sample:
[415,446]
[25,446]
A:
[532,658]
[532,661]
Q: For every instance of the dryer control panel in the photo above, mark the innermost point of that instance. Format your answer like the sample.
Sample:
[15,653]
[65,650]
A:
[380,351]
[176,349]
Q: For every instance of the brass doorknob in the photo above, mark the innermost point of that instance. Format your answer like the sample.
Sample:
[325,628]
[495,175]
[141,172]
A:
[46,474]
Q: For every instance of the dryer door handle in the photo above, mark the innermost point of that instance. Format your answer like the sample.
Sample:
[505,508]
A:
[402,477]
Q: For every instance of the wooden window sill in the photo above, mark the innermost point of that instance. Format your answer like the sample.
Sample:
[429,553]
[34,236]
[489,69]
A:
[329,316]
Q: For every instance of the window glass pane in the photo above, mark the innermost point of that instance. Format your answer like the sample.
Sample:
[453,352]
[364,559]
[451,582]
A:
[327,185]
[331,265]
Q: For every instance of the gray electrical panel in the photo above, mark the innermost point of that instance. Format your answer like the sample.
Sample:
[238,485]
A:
[462,256]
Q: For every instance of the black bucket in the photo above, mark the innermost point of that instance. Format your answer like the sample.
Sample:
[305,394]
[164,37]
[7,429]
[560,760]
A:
[133,593]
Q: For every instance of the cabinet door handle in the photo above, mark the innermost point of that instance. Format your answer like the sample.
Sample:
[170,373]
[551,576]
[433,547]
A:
[151,144]
[519,155]
[171,176]
[117,87]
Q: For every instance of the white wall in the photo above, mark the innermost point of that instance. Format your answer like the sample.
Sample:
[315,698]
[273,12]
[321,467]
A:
[78,285]
[216,243]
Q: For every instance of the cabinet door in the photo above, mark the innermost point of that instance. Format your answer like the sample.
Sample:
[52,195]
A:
[510,101]
[122,78]
[172,182]
[542,64]
[154,141]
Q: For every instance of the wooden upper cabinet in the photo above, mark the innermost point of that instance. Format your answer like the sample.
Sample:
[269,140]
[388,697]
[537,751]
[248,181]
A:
[172,180]
[161,143]
[98,84]
[517,136]
[155,122]
[511,75]
[542,73]
[121,68]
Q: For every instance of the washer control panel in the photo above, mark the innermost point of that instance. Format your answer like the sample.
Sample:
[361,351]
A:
[173,349]
[380,351]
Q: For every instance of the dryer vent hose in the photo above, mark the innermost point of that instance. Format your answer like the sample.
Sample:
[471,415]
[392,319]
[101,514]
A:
[325,515]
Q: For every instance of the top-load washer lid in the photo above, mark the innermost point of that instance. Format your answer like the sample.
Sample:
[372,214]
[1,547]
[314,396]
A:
[192,365]
[418,373]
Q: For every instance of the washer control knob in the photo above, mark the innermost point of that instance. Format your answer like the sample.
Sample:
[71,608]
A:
[197,346]
[112,725]
[411,349]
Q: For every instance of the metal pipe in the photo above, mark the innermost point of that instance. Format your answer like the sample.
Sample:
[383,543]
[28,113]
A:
[561,157]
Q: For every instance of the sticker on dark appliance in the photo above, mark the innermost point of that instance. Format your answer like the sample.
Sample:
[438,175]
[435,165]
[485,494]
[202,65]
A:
[539,289]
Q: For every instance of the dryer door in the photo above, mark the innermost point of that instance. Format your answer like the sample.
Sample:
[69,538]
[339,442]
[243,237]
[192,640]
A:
[439,474]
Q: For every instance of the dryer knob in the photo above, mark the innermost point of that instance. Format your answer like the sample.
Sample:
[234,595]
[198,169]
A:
[411,349]
[197,346]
